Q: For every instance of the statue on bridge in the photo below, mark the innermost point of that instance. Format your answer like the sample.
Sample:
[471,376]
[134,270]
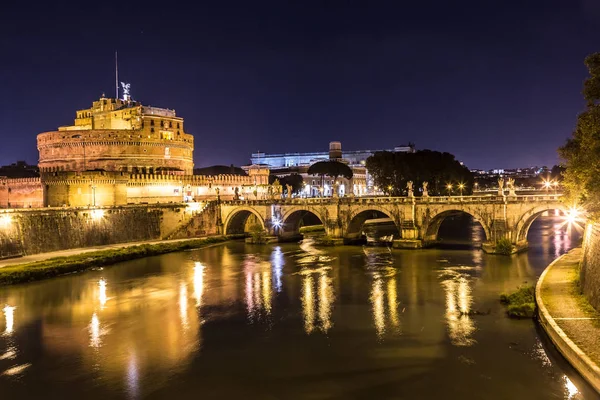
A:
[289,190]
[500,186]
[236,193]
[425,193]
[275,190]
[409,186]
[510,185]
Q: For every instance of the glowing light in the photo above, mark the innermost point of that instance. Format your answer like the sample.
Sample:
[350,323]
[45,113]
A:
[276,222]
[198,283]
[102,294]
[571,388]
[194,207]
[5,221]
[9,316]
[97,214]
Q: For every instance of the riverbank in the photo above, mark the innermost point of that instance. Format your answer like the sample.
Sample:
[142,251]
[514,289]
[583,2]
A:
[48,265]
[570,321]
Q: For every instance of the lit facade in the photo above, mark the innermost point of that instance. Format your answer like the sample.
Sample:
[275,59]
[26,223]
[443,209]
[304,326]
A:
[282,164]
[119,135]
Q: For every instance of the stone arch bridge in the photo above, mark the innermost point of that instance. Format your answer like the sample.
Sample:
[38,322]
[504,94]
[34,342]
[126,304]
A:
[417,218]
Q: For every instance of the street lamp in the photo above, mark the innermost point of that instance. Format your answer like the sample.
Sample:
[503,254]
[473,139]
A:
[390,190]
[547,185]
[461,186]
[555,183]
[449,189]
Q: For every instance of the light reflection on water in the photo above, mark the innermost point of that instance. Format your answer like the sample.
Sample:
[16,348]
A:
[134,329]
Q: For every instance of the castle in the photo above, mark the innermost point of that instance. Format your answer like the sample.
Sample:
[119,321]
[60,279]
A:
[120,152]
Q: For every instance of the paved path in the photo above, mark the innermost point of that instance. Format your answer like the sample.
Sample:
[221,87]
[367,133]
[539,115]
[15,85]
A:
[570,321]
[70,252]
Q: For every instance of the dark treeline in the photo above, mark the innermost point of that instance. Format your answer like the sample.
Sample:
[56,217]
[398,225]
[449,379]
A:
[392,171]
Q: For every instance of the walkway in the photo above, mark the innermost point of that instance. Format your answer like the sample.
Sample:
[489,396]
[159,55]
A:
[572,324]
[71,252]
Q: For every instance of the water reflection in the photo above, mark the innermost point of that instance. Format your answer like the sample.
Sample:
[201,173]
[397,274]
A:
[183,305]
[102,293]
[258,288]
[317,300]
[570,388]
[277,261]
[198,283]
[458,308]
[95,331]
[132,377]
[9,318]
[384,317]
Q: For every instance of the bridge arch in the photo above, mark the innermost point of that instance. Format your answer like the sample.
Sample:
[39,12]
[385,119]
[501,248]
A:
[524,223]
[293,218]
[358,218]
[432,228]
[236,221]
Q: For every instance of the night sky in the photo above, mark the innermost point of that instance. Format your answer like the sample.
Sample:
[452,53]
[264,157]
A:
[497,83]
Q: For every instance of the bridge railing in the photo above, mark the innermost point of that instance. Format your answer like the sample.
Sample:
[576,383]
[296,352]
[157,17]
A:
[402,200]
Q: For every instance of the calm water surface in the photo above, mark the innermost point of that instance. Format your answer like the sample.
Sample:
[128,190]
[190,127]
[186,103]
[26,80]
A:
[286,322]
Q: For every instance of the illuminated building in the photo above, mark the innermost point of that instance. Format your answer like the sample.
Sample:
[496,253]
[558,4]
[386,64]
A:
[282,164]
[119,135]
[120,152]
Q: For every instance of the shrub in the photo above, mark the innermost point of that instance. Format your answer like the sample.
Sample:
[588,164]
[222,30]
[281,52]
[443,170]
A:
[521,303]
[504,247]
[257,233]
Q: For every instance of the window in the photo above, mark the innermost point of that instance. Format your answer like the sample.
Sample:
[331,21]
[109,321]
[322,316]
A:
[152,130]
[151,122]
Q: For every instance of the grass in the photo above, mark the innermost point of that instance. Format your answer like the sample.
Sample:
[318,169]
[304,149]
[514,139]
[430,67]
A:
[521,303]
[312,228]
[52,267]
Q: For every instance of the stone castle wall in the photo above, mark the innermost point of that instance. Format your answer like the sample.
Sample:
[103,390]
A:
[43,230]
[115,150]
[21,193]
[590,265]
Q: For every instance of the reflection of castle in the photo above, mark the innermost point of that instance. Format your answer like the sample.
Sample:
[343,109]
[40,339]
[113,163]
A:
[119,152]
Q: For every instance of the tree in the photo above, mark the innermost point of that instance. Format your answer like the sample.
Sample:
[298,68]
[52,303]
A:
[581,152]
[392,170]
[330,168]
[294,180]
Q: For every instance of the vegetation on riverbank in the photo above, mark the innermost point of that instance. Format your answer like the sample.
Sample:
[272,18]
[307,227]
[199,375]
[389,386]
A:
[504,247]
[521,303]
[52,267]
[312,229]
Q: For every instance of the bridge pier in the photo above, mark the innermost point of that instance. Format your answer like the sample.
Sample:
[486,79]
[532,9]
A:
[411,239]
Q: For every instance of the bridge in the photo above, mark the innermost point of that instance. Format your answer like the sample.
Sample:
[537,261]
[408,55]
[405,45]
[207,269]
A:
[418,219]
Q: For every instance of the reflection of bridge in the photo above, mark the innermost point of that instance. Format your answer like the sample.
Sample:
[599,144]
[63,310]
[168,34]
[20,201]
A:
[417,219]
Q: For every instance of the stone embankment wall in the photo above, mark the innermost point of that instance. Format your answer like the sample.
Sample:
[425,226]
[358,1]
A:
[203,222]
[590,266]
[43,230]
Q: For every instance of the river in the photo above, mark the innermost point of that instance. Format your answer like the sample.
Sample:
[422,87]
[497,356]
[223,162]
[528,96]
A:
[287,321]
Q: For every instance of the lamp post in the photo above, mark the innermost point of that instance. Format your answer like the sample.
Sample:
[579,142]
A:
[93,193]
[449,189]
[461,186]
[555,184]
